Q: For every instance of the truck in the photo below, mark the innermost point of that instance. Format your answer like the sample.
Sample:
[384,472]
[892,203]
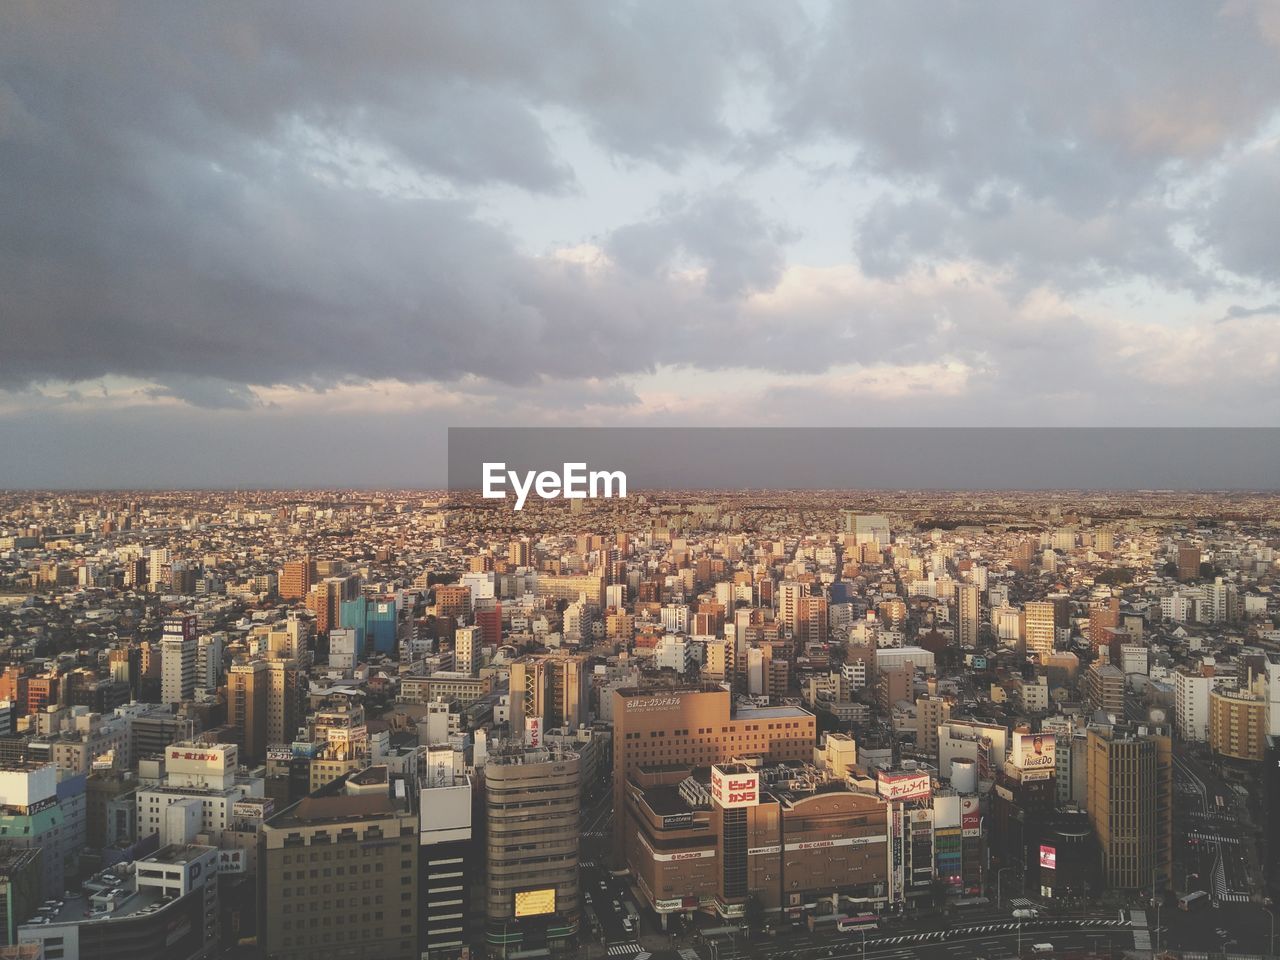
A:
[1191,901]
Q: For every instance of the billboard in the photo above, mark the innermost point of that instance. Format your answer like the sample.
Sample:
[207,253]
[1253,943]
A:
[903,786]
[1048,857]
[200,758]
[253,808]
[970,817]
[535,903]
[533,731]
[731,790]
[1033,751]
[231,861]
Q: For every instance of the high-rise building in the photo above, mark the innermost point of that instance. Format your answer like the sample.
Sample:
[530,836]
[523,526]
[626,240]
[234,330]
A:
[967,614]
[1130,783]
[209,661]
[697,725]
[554,688]
[1191,690]
[247,706]
[1238,724]
[1039,628]
[178,655]
[365,824]
[297,577]
[1188,561]
[466,650]
[532,807]
[447,856]
[326,599]
[158,561]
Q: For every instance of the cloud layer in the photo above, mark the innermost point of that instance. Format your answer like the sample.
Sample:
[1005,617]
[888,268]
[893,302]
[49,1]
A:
[635,213]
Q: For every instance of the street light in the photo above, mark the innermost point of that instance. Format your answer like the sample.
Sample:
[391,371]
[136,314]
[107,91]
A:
[1271,940]
[999,881]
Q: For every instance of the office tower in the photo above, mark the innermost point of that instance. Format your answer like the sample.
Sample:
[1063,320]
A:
[447,857]
[1104,685]
[209,661]
[1104,540]
[697,725]
[247,707]
[178,652]
[297,578]
[365,823]
[1188,562]
[968,613]
[466,650]
[158,561]
[1039,628]
[1130,778]
[532,807]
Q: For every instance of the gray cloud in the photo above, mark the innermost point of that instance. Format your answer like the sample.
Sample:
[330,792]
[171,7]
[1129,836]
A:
[213,199]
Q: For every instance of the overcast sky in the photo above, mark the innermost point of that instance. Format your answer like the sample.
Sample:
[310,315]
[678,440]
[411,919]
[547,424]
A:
[287,244]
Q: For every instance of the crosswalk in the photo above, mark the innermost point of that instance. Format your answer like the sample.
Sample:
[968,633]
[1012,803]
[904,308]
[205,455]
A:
[687,953]
[1212,837]
[938,935]
[631,949]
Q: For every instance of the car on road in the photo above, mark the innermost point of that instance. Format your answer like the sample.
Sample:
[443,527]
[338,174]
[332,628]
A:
[628,924]
[1040,949]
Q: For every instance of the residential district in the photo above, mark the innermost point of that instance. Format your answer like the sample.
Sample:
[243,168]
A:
[970,726]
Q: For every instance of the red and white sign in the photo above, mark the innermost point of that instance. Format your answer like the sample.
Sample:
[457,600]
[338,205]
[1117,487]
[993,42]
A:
[904,786]
[732,790]
[970,817]
[1048,857]
[533,731]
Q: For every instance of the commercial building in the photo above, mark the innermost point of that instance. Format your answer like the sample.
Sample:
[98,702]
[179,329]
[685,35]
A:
[531,882]
[698,726]
[338,873]
[37,810]
[264,699]
[554,688]
[178,652]
[1130,777]
[788,834]
[201,780]
[165,907]
[448,852]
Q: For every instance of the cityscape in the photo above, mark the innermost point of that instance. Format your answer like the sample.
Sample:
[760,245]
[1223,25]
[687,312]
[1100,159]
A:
[679,725]
[639,480]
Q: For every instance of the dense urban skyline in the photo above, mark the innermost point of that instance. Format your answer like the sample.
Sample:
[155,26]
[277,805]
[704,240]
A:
[257,229]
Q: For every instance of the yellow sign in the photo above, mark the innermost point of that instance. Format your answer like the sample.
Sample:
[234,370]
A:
[534,903]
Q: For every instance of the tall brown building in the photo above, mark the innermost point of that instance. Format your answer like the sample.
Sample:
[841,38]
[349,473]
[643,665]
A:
[326,599]
[1188,561]
[453,600]
[264,699]
[696,725]
[1130,778]
[297,577]
[967,614]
